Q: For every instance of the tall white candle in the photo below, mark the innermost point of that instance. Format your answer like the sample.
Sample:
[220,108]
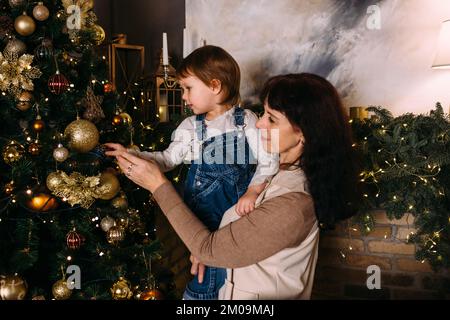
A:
[165,50]
[185,43]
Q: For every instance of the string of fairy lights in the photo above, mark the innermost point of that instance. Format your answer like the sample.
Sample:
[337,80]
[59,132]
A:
[425,173]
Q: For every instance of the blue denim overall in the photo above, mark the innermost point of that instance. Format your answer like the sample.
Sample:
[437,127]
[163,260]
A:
[215,182]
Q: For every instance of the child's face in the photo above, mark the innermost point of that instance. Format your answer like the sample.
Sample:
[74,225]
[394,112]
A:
[199,97]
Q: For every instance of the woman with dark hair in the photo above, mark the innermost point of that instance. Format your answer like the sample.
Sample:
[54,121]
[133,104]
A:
[271,253]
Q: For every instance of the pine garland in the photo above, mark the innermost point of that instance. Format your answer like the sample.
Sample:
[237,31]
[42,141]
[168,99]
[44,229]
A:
[407,171]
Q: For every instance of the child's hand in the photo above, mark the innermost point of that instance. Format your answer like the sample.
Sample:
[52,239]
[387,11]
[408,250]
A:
[115,149]
[246,203]
[197,268]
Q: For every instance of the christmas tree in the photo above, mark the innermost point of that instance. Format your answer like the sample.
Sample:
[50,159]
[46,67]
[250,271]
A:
[71,225]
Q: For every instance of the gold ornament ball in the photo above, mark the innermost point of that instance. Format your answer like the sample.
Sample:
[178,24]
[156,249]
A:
[24,25]
[120,203]
[15,46]
[115,234]
[126,118]
[109,186]
[60,154]
[117,120]
[42,202]
[24,101]
[34,149]
[107,223]
[121,290]
[16,3]
[13,152]
[82,135]
[99,34]
[12,288]
[61,291]
[38,125]
[40,12]
[54,180]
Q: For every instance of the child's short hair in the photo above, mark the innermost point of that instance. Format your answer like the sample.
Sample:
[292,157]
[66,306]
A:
[211,62]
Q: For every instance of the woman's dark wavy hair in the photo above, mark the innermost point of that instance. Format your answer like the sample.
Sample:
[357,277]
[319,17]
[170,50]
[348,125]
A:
[312,104]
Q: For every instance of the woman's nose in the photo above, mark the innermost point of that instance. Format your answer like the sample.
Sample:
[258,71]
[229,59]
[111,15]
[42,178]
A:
[260,123]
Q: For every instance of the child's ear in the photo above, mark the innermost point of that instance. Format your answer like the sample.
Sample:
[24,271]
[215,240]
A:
[216,86]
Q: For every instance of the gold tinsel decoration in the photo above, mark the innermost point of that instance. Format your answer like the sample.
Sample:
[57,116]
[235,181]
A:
[82,190]
[93,103]
[16,73]
[121,290]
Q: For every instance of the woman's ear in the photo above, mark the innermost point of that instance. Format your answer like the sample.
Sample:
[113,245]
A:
[216,86]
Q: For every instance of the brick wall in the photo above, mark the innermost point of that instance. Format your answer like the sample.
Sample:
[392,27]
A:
[402,277]
[175,254]
[344,256]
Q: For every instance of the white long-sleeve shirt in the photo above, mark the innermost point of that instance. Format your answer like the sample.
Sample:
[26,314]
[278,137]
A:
[185,145]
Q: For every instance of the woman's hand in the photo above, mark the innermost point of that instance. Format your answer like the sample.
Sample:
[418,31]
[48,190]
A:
[145,173]
[115,149]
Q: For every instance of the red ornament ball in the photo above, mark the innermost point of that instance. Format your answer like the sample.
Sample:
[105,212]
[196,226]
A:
[74,240]
[58,83]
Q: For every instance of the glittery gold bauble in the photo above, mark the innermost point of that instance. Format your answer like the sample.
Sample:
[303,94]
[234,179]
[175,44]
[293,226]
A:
[24,25]
[38,125]
[109,185]
[82,135]
[41,297]
[60,154]
[24,101]
[61,291]
[120,203]
[115,234]
[16,3]
[34,148]
[151,294]
[40,12]
[126,118]
[12,288]
[107,223]
[9,187]
[121,290]
[42,202]
[15,46]
[99,34]
[12,152]
[117,120]
[54,180]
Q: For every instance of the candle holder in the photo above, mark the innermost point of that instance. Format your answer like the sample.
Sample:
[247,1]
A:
[168,95]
